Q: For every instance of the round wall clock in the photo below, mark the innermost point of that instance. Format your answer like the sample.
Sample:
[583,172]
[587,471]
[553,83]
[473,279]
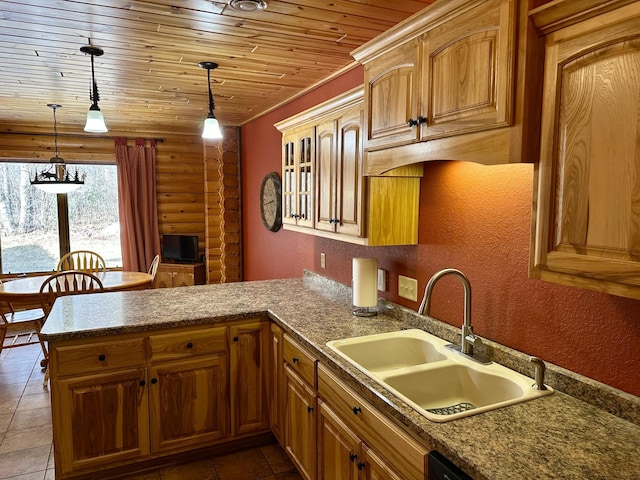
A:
[271,201]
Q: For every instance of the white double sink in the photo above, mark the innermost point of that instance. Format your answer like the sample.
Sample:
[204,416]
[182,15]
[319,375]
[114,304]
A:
[438,382]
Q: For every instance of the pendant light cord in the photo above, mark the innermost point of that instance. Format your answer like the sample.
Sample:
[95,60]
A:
[95,96]
[211,104]
[55,134]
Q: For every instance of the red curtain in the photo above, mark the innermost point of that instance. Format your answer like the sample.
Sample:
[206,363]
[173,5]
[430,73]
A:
[139,234]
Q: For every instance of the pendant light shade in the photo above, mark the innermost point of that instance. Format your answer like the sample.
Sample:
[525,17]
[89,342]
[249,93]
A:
[95,119]
[211,128]
[57,179]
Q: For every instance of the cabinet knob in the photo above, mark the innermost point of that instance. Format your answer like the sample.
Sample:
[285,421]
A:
[422,120]
[236,338]
[189,345]
[352,456]
[309,409]
[142,383]
[361,466]
[412,122]
[356,410]
[102,357]
[154,381]
[295,360]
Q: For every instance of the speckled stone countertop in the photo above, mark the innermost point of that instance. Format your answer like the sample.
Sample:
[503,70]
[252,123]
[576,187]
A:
[557,436]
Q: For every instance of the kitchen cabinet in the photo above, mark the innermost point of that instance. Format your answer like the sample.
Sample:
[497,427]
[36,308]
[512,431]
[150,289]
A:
[347,206]
[179,275]
[247,351]
[300,407]
[137,397]
[456,81]
[276,382]
[354,431]
[298,155]
[586,230]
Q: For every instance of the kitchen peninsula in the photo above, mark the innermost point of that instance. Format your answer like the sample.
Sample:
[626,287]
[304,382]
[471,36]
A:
[558,436]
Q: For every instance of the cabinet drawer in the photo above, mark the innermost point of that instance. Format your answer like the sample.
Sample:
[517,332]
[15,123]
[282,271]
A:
[403,453]
[300,360]
[96,357]
[171,346]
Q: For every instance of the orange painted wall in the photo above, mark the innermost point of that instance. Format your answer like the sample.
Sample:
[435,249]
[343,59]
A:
[472,217]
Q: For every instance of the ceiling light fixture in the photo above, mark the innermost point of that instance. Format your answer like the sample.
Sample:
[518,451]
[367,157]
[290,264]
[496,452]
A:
[211,129]
[95,119]
[248,5]
[57,179]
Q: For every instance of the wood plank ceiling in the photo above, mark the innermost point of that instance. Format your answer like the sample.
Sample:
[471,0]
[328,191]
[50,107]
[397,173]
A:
[149,78]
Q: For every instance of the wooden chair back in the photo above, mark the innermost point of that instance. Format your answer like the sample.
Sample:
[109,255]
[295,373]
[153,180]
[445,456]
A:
[72,282]
[28,320]
[153,268]
[82,260]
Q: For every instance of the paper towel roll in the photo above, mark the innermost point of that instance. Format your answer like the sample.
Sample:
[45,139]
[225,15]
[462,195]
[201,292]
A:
[365,282]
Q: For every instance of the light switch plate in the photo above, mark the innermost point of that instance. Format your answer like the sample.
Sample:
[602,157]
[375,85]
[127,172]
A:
[323,260]
[408,288]
[382,280]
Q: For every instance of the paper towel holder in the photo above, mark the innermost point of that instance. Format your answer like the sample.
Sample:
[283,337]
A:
[364,287]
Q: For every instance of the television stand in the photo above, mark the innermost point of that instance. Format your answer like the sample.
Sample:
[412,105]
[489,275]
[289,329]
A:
[174,274]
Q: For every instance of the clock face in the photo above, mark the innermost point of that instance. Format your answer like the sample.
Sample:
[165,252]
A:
[271,202]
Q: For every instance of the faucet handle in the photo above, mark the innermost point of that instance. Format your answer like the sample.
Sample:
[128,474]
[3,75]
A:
[539,373]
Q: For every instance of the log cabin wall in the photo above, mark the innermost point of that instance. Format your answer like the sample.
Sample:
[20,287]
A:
[181,168]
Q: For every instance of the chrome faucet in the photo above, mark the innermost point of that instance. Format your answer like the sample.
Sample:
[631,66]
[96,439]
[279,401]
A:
[469,339]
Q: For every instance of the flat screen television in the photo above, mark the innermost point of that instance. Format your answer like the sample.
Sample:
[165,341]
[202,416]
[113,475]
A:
[180,248]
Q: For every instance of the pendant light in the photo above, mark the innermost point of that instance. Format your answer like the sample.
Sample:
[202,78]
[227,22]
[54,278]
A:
[57,179]
[95,119]
[211,129]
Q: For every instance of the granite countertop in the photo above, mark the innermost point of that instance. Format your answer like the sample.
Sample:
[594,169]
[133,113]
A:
[556,436]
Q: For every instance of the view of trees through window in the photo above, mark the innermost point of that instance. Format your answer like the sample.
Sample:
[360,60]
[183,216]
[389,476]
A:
[29,236]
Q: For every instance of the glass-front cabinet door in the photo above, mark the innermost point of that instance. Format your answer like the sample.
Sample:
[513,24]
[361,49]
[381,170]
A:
[298,170]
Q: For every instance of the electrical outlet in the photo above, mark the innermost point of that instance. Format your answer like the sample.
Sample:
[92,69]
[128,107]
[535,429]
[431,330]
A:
[408,288]
[323,260]
[382,280]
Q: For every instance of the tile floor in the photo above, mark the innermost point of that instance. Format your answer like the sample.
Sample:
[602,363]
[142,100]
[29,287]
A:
[26,437]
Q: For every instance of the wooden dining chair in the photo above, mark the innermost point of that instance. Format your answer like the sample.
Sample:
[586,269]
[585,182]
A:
[153,269]
[73,282]
[82,260]
[24,323]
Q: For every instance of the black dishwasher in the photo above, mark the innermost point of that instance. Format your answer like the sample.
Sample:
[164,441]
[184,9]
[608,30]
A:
[440,468]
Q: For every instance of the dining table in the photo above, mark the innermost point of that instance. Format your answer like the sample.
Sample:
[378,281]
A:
[26,290]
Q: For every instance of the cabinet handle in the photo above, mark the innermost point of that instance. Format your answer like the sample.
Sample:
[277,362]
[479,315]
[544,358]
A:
[236,338]
[295,360]
[154,381]
[189,345]
[352,456]
[309,409]
[361,466]
[421,120]
[412,122]
[356,410]
[142,383]
[102,357]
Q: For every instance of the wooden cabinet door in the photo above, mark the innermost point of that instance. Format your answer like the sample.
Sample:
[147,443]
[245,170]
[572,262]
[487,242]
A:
[300,424]
[587,222]
[338,447]
[350,188]
[248,355]
[276,383]
[105,421]
[326,175]
[468,71]
[391,96]
[164,277]
[298,171]
[188,402]
[374,468]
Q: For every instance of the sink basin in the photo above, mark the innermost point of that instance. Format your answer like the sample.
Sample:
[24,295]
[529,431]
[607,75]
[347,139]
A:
[389,351]
[438,382]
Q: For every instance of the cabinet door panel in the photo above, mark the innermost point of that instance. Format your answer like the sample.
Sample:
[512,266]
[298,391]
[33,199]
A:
[188,402]
[106,419]
[338,447]
[587,224]
[375,468]
[467,71]
[326,171]
[350,180]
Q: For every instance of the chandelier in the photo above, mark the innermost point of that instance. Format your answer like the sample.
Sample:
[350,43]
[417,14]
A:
[56,178]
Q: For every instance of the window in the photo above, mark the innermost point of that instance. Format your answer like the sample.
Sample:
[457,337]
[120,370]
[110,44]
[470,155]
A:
[30,219]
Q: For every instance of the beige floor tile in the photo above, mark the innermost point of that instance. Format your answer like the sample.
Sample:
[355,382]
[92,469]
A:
[18,365]
[30,418]
[277,458]
[9,405]
[51,465]
[14,377]
[31,476]
[11,391]
[5,420]
[50,474]
[34,400]
[201,470]
[247,464]
[24,461]
[27,438]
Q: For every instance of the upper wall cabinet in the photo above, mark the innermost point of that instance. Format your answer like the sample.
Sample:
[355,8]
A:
[453,82]
[325,191]
[587,184]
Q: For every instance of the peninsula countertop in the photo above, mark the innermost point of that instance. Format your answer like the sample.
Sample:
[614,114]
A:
[557,436]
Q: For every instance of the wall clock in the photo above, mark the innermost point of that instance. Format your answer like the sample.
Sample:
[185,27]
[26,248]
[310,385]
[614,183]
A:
[271,202]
